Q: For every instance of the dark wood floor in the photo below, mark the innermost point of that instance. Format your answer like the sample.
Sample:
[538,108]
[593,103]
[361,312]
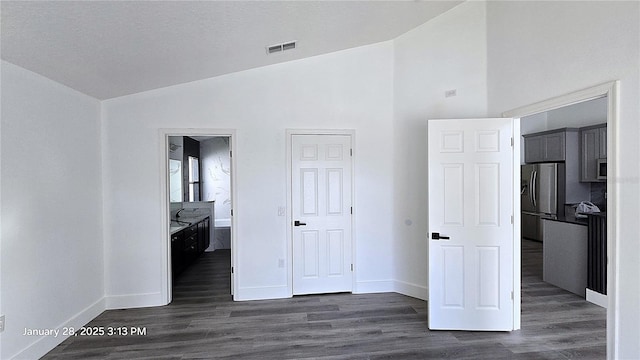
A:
[204,323]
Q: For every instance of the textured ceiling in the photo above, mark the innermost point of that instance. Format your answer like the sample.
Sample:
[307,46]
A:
[108,49]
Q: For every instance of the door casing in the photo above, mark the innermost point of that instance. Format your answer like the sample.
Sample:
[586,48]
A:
[611,90]
[166,291]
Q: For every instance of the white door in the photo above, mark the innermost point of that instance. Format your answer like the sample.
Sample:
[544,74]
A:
[471,237]
[321,211]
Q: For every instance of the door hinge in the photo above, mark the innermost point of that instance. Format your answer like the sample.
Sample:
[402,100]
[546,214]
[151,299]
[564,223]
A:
[511,142]
[232,269]
[231,212]
[511,219]
[350,152]
[352,210]
[230,153]
[512,295]
[351,267]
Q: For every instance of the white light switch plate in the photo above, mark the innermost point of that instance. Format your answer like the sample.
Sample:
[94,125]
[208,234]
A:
[281,210]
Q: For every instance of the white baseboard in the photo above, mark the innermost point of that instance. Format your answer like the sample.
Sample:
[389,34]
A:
[374,286]
[262,293]
[135,301]
[597,298]
[413,290]
[44,344]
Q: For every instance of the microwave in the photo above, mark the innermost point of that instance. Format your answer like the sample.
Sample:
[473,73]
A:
[601,169]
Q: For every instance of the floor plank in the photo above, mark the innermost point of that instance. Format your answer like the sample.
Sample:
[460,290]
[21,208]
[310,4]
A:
[204,323]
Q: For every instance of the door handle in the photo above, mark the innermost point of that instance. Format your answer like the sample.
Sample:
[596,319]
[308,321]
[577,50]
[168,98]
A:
[535,189]
[437,236]
[531,189]
[298,223]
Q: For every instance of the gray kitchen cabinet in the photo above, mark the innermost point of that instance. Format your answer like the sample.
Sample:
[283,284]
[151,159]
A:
[533,149]
[565,255]
[530,224]
[602,131]
[593,146]
[554,145]
[549,146]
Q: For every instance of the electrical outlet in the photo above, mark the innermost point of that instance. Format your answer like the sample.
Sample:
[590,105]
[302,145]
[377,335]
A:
[450,93]
[281,210]
[280,263]
[2,323]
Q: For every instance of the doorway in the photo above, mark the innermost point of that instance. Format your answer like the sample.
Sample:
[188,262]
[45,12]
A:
[198,192]
[608,92]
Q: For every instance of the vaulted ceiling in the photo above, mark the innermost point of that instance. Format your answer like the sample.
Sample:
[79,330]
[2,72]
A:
[108,49]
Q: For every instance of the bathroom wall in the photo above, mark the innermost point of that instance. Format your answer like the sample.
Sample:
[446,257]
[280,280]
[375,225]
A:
[216,175]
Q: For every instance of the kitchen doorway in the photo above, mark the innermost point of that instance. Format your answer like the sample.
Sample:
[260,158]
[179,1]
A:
[198,196]
[605,94]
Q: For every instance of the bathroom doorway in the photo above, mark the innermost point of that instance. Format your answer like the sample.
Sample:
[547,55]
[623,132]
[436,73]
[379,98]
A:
[198,200]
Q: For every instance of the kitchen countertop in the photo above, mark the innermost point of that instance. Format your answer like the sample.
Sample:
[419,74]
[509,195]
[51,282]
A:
[569,219]
[573,220]
[602,214]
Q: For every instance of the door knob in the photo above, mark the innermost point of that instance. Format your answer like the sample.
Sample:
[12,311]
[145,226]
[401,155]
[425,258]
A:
[298,223]
[437,236]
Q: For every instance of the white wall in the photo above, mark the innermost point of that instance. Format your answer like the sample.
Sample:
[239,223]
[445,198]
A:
[1,116]
[446,53]
[579,115]
[351,89]
[538,50]
[52,256]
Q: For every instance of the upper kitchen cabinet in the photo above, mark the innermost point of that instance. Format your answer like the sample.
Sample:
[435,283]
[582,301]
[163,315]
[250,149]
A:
[549,146]
[602,134]
[593,146]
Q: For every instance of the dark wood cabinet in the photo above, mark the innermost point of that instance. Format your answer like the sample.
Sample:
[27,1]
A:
[204,238]
[190,251]
[188,244]
[177,261]
[597,253]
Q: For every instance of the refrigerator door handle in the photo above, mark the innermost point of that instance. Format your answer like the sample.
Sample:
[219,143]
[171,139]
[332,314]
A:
[531,189]
[534,189]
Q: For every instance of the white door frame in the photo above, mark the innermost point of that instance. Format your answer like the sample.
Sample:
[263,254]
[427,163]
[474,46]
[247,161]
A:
[289,138]
[611,90]
[166,291]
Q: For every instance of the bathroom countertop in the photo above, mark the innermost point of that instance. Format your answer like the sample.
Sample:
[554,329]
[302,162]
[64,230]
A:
[184,222]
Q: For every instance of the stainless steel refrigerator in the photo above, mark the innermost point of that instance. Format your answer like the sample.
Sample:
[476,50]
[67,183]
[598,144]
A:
[542,196]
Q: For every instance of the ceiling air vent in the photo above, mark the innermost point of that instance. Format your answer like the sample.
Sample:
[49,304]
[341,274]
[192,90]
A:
[274,48]
[281,47]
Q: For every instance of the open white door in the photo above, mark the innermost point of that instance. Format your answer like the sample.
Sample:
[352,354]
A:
[321,209]
[471,235]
